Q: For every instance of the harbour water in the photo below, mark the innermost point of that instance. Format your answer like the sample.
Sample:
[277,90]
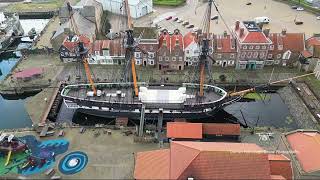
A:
[12,111]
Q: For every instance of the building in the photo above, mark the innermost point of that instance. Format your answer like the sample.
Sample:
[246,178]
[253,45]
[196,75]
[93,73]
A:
[138,8]
[69,48]
[211,160]
[252,45]
[304,147]
[146,53]
[171,51]
[286,48]
[306,62]
[107,52]
[202,131]
[87,20]
[225,52]
[191,49]
[317,70]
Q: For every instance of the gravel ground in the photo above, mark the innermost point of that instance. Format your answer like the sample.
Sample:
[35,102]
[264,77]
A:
[298,110]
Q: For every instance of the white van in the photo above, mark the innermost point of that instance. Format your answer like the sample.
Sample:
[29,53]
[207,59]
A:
[263,20]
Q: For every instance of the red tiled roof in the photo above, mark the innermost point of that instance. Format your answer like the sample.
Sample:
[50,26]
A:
[306,54]
[28,73]
[277,177]
[152,164]
[189,38]
[71,45]
[105,44]
[280,165]
[307,145]
[313,41]
[255,37]
[176,41]
[221,129]
[224,43]
[184,130]
[205,160]
[293,42]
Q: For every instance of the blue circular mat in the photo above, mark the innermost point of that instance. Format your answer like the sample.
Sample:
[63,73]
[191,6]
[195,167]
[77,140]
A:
[73,163]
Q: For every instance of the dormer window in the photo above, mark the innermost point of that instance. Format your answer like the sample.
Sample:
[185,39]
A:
[250,47]
[244,47]
[177,42]
[257,47]
[271,47]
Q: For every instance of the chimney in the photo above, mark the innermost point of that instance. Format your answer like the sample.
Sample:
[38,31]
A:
[266,32]
[241,32]
[284,32]
[225,34]
[237,25]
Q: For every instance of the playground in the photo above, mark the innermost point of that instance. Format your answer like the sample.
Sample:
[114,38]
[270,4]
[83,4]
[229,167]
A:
[87,155]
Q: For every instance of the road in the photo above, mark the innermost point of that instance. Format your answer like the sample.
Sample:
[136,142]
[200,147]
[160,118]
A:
[281,15]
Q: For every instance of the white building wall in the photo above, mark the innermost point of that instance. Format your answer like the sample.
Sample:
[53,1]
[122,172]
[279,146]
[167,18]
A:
[193,49]
[138,8]
[317,70]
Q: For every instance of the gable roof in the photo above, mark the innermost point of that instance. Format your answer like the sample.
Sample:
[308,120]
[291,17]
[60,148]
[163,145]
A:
[313,41]
[221,129]
[293,42]
[250,36]
[177,41]
[71,45]
[184,130]
[189,38]
[307,144]
[165,40]
[207,160]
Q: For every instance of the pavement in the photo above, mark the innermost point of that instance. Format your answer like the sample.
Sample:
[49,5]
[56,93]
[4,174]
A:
[281,15]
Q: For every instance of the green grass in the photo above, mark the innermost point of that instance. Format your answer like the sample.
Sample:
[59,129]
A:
[257,96]
[169,2]
[26,7]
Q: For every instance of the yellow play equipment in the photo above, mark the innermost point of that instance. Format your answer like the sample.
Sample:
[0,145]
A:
[8,158]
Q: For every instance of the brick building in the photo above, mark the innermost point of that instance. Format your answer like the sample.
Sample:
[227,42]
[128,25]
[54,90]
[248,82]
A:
[225,52]
[171,51]
[252,45]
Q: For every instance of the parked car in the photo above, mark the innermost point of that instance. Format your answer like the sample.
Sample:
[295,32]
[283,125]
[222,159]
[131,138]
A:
[300,9]
[249,3]
[195,29]
[180,20]
[185,23]
[159,27]
[175,19]
[318,115]
[169,17]
[318,17]
[298,22]
[190,26]
[294,7]
[214,17]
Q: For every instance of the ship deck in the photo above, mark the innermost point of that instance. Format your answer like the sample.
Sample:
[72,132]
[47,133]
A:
[125,95]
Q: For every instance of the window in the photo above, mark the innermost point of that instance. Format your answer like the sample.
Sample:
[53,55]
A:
[97,53]
[264,47]
[270,56]
[255,54]
[262,55]
[210,50]
[250,47]
[151,62]
[230,63]
[271,47]
[187,51]
[177,53]
[151,47]
[257,47]
[180,58]
[280,47]
[278,56]
[243,55]
[232,56]
[174,58]
[244,47]
[249,54]
[160,58]
[150,54]
[219,56]
[195,59]
[138,62]
[137,54]
[167,58]
[276,61]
